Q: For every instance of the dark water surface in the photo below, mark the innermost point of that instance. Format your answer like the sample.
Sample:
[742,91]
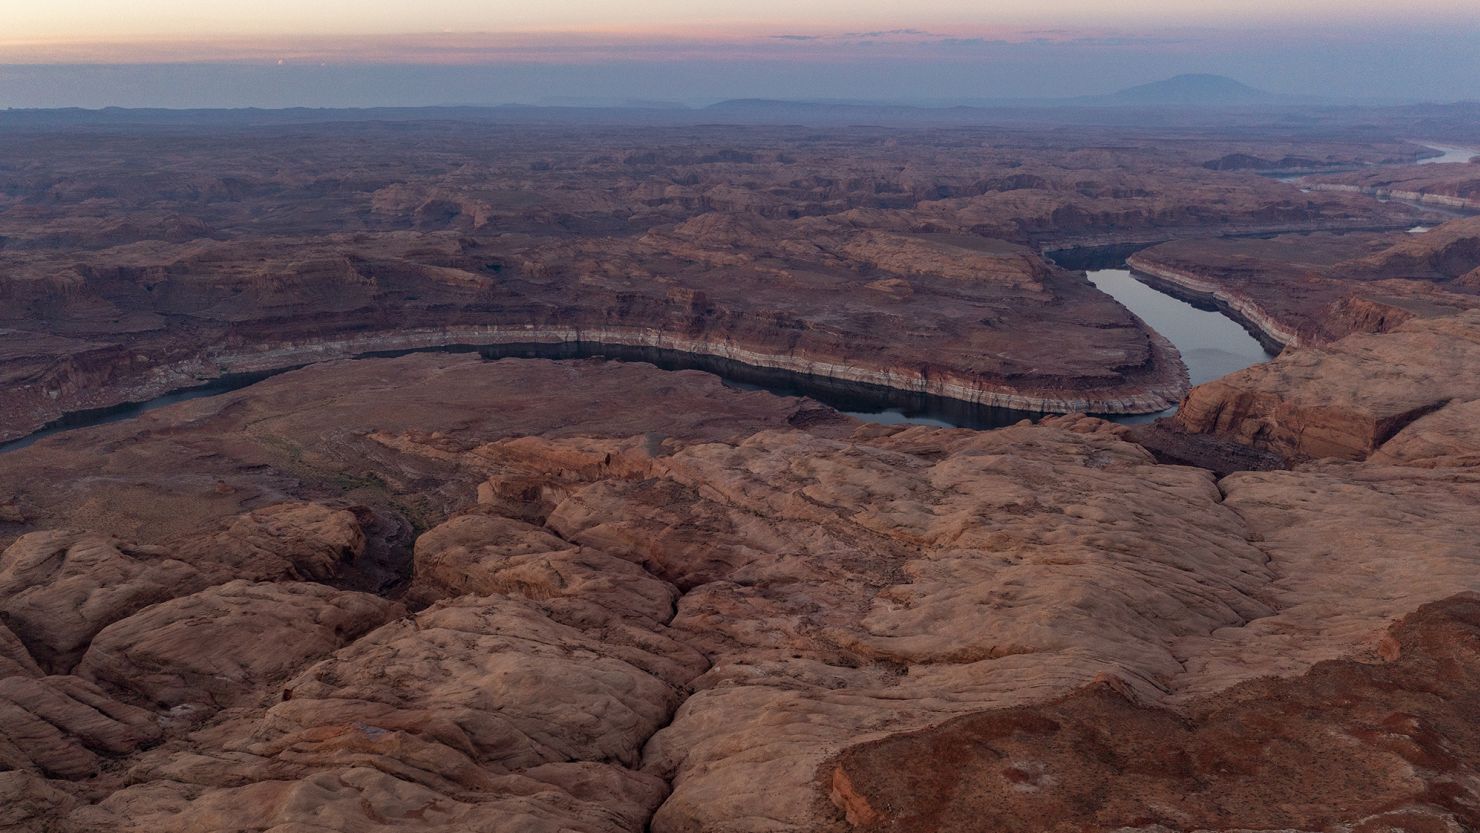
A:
[872,403]
[1211,345]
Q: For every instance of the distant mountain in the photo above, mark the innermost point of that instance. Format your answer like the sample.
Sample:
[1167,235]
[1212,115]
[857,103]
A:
[1178,93]
[1193,90]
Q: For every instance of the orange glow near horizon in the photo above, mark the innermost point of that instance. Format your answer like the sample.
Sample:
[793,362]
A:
[612,43]
[450,48]
[160,30]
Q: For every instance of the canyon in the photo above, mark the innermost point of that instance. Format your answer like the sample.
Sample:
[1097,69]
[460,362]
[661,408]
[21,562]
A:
[383,586]
[903,258]
[597,595]
[1316,288]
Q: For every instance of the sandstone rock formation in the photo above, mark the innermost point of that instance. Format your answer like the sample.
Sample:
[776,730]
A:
[438,593]
[903,258]
[230,641]
[757,615]
[1447,185]
[1097,760]
[1316,288]
[1345,399]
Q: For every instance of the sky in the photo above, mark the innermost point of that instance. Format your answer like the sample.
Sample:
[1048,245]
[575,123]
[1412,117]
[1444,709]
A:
[229,53]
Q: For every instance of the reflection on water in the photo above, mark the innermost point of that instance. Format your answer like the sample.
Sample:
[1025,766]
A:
[1451,153]
[871,403]
[1211,345]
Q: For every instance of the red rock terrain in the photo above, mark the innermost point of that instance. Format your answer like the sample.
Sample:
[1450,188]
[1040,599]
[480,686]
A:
[1315,288]
[1450,185]
[437,593]
[1346,399]
[1099,760]
[905,258]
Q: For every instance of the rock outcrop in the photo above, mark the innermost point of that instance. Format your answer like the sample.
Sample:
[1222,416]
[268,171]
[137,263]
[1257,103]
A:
[235,640]
[754,614]
[908,261]
[1258,756]
[1316,288]
[1345,399]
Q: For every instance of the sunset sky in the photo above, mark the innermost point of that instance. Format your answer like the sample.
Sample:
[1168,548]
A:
[364,52]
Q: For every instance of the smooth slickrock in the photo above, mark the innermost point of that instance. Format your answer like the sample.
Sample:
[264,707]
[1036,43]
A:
[64,727]
[300,541]
[919,574]
[15,660]
[1348,745]
[557,798]
[487,554]
[697,627]
[1345,399]
[1446,438]
[1350,547]
[58,589]
[334,431]
[230,642]
[483,713]
[31,802]
[481,675]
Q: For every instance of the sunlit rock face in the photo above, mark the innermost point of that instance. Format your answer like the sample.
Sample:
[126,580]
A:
[1304,289]
[1348,398]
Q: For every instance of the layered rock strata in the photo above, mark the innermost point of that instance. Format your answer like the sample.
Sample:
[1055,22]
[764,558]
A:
[1313,289]
[903,258]
[1345,399]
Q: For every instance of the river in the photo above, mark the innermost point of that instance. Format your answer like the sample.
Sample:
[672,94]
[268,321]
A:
[1211,344]
[1450,153]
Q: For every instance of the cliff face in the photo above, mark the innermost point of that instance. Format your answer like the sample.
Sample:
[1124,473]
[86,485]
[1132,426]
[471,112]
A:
[435,593]
[1449,185]
[1345,399]
[907,260]
[439,594]
[1314,289]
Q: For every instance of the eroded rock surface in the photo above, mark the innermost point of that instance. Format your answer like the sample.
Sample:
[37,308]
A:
[1316,288]
[902,257]
[228,642]
[1345,399]
[700,609]
[1387,745]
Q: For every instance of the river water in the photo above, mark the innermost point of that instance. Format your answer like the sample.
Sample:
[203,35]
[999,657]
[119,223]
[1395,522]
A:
[1452,153]
[1211,344]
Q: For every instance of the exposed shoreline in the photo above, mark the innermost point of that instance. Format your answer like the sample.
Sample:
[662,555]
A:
[1261,324]
[1166,387]
[1420,197]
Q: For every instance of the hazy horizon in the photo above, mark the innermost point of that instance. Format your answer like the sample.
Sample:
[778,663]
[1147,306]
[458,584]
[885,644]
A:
[273,53]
